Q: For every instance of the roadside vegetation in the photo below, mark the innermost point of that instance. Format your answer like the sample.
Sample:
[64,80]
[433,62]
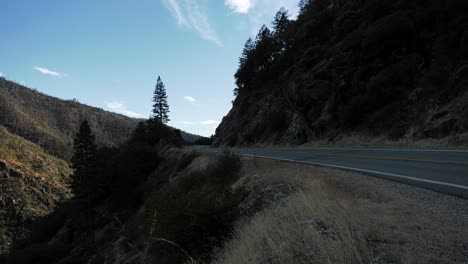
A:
[317,215]
[315,226]
[184,207]
[137,203]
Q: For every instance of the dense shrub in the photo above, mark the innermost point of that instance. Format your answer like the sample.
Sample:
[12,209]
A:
[197,211]
[130,167]
[204,141]
[128,170]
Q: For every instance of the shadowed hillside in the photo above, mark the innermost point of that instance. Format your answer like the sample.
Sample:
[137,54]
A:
[390,69]
[31,184]
[51,122]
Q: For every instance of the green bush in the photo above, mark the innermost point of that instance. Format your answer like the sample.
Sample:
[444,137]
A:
[127,172]
[197,211]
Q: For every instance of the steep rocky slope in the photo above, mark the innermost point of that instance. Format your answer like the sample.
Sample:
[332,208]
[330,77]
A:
[52,123]
[31,184]
[391,69]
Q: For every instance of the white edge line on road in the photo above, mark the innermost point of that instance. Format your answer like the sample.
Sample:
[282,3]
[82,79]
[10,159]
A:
[365,171]
[375,149]
[367,149]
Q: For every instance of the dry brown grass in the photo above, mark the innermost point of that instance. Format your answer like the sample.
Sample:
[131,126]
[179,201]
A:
[311,227]
[356,140]
[459,141]
[341,217]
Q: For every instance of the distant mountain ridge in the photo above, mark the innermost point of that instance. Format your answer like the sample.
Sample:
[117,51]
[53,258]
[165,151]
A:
[52,122]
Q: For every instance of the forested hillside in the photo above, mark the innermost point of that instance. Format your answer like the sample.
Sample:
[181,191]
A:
[31,184]
[136,198]
[376,68]
[36,187]
[52,123]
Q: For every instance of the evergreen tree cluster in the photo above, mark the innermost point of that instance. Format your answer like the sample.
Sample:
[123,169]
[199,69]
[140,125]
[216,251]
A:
[94,180]
[267,54]
[259,55]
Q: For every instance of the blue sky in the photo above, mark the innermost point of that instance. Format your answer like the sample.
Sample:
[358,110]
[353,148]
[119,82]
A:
[108,53]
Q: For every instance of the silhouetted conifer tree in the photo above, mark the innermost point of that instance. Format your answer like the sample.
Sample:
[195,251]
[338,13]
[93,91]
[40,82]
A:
[140,132]
[303,6]
[245,66]
[257,56]
[84,179]
[160,106]
[280,34]
[264,50]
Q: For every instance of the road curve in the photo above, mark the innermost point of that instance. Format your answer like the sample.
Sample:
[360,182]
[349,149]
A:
[441,170]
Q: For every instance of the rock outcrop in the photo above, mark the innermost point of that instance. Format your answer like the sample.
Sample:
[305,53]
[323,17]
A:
[391,69]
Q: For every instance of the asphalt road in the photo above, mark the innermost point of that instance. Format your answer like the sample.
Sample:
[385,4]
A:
[442,170]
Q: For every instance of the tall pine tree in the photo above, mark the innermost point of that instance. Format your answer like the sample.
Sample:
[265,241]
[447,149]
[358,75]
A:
[84,179]
[160,106]
[246,65]
[83,159]
[264,49]
[281,23]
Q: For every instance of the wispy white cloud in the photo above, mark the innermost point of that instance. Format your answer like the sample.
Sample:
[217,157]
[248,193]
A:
[49,72]
[200,23]
[118,107]
[190,14]
[259,12]
[210,123]
[176,11]
[1,74]
[239,6]
[114,105]
[190,99]
[183,123]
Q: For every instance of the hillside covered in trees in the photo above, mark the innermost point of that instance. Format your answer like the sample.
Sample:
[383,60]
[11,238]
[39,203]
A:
[136,197]
[32,182]
[376,68]
[51,122]
[99,164]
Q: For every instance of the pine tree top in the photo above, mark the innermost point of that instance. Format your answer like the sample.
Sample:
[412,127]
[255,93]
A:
[160,106]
